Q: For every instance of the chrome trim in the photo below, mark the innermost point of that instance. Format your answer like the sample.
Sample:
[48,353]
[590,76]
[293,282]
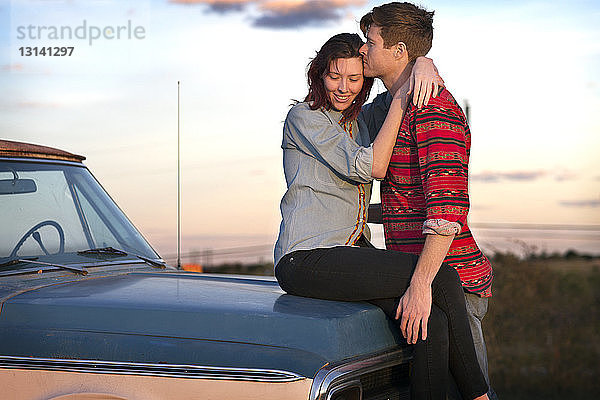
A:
[344,386]
[161,370]
[328,377]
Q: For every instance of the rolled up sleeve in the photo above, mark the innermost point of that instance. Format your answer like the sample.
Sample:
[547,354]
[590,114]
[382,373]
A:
[313,133]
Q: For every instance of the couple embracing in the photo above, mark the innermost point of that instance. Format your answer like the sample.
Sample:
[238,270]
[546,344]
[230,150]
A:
[432,279]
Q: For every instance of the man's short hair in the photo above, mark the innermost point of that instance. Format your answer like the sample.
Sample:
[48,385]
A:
[402,22]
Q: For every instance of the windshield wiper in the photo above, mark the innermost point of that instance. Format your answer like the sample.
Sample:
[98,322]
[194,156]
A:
[33,261]
[15,261]
[103,250]
[117,252]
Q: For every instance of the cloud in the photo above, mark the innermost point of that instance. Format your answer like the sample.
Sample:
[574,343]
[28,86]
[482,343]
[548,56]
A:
[519,176]
[37,104]
[581,203]
[218,6]
[523,176]
[23,105]
[564,175]
[282,14]
[478,207]
[295,14]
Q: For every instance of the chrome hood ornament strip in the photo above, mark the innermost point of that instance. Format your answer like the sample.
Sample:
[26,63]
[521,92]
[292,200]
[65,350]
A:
[162,370]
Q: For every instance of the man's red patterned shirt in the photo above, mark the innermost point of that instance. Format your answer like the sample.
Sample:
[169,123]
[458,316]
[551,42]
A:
[426,189]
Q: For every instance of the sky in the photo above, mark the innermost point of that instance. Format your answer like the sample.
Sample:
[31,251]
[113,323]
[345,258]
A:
[530,71]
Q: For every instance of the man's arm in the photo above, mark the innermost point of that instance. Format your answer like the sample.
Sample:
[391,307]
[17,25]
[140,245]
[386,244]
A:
[441,139]
[415,304]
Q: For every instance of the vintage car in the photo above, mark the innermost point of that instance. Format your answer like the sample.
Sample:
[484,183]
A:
[88,310]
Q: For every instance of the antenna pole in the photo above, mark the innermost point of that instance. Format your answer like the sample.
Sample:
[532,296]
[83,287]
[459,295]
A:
[178,189]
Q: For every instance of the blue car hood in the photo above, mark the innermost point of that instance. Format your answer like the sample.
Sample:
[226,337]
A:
[188,318]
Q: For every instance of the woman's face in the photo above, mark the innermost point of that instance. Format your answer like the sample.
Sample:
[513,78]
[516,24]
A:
[343,82]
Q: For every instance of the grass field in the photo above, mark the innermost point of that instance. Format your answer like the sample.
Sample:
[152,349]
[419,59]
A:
[543,327]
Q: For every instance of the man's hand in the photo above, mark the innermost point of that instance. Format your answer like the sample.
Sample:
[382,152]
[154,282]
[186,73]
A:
[415,305]
[414,310]
[425,81]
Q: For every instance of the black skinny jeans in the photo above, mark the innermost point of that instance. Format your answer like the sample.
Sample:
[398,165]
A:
[381,277]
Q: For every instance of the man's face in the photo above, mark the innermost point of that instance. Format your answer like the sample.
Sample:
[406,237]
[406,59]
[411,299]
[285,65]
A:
[377,60]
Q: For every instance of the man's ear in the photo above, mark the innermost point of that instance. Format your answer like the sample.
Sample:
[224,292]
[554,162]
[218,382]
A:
[401,50]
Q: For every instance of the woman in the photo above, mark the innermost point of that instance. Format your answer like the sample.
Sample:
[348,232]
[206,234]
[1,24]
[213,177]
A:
[322,250]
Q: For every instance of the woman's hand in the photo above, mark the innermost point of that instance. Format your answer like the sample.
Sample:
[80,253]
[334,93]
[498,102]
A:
[425,80]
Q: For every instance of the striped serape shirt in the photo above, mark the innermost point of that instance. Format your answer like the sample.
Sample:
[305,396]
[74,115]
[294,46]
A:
[426,189]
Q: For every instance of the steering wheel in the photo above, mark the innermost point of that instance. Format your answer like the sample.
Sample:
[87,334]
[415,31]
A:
[33,232]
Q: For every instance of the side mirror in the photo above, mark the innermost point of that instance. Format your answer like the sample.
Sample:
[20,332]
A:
[17,186]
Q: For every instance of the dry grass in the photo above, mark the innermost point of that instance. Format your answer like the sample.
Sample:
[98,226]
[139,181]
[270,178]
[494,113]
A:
[542,328]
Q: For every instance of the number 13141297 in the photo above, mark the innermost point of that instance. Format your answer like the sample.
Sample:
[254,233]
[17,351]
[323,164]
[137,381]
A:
[46,51]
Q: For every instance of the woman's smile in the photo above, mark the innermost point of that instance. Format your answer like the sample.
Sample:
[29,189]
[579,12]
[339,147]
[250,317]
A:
[343,82]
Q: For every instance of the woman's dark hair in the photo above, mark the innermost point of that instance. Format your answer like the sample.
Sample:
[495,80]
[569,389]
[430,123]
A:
[343,45]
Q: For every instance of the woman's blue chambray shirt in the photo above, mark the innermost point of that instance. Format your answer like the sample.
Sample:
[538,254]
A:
[328,175]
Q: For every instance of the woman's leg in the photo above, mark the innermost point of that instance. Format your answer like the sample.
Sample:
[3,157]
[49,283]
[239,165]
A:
[448,294]
[354,274]
[346,273]
[430,364]
[429,370]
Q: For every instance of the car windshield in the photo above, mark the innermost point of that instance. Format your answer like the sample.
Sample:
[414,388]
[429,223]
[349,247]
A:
[51,211]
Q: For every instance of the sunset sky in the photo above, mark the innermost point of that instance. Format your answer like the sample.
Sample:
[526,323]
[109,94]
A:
[530,71]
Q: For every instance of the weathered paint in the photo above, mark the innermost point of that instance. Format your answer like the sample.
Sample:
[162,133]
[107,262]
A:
[190,319]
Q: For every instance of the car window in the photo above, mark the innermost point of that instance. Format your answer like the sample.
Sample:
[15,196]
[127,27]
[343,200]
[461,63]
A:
[52,201]
[101,235]
[59,209]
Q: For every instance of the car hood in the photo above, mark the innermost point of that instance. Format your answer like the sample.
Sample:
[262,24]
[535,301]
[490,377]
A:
[194,319]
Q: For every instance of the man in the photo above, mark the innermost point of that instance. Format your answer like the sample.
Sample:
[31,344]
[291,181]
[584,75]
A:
[424,194]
